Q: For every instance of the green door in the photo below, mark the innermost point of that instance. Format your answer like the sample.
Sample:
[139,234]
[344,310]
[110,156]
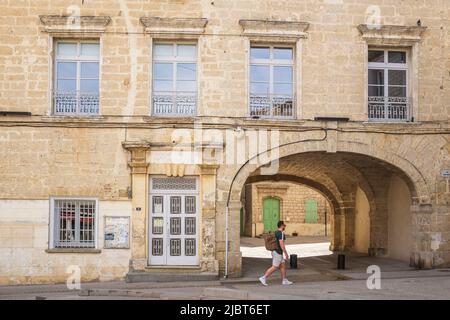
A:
[311,211]
[271,214]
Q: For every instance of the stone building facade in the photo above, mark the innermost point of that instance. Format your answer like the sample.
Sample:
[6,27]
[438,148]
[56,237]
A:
[129,129]
[305,211]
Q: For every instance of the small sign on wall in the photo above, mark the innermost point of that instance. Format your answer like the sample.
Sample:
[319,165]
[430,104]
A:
[117,232]
[445,173]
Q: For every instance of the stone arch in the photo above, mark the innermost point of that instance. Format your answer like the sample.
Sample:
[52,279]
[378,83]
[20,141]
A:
[333,199]
[410,173]
[365,160]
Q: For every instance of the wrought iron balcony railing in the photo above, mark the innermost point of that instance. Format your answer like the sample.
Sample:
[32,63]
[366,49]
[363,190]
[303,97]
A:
[389,109]
[175,104]
[272,106]
[76,103]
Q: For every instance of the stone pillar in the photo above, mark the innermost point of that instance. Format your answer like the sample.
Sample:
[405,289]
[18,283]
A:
[338,222]
[379,215]
[349,240]
[234,251]
[208,260]
[139,169]
[344,225]
[421,255]
[234,239]
[348,209]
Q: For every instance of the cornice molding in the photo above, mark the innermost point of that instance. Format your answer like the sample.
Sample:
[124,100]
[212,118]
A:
[74,24]
[158,25]
[134,145]
[390,34]
[271,28]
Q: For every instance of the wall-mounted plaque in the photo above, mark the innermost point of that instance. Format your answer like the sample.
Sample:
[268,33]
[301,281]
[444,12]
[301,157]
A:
[445,173]
[117,232]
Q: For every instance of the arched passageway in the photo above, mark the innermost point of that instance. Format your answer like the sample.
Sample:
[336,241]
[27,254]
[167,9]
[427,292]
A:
[370,199]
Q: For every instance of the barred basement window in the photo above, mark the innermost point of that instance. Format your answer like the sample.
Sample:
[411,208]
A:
[74,223]
[76,88]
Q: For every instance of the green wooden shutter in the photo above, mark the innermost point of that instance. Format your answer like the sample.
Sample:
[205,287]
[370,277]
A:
[311,211]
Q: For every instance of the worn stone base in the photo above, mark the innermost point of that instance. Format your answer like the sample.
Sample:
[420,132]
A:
[140,271]
[157,276]
[234,265]
[377,252]
[421,260]
[138,265]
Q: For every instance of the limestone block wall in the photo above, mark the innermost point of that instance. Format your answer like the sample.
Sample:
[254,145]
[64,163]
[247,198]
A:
[292,208]
[44,155]
[24,240]
[330,62]
[42,162]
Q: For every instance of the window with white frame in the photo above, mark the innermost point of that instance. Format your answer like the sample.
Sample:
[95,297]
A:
[174,79]
[388,86]
[74,223]
[76,87]
[271,81]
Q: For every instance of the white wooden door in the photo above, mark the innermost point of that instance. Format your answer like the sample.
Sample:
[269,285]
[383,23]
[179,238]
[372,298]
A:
[173,223]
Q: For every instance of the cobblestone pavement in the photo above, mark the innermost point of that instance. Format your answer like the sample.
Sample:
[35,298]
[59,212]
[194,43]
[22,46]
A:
[316,278]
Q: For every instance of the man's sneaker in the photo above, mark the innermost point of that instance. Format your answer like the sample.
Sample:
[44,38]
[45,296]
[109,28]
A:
[263,281]
[286,282]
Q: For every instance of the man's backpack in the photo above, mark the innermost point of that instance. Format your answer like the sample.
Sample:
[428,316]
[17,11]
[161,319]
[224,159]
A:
[270,241]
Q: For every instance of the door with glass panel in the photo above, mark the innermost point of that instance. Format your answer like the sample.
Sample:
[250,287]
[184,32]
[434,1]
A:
[173,213]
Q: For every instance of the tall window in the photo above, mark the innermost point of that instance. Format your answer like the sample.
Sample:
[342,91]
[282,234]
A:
[388,89]
[77,78]
[74,223]
[174,79]
[271,81]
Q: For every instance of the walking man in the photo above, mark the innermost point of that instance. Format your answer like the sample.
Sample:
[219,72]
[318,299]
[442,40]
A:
[278,262]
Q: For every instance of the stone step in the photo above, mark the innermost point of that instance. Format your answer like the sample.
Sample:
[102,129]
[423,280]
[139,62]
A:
[133,277]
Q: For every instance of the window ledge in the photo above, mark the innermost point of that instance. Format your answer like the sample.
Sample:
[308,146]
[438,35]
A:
[391,35]
[93,117]
[73,250]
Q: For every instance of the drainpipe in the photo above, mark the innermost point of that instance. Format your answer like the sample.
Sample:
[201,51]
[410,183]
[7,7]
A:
[226,242]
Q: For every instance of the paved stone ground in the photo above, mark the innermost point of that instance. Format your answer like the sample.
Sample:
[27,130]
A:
[316,278]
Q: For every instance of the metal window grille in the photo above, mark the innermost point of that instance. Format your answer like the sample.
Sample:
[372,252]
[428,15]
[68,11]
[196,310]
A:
[158,225]
[175,226]
[189,226]
[190,204]
[270,105]
[75,223]
[158,204]
[174,183]
[175,205]
[189,247]
[157,246]
[175,247]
